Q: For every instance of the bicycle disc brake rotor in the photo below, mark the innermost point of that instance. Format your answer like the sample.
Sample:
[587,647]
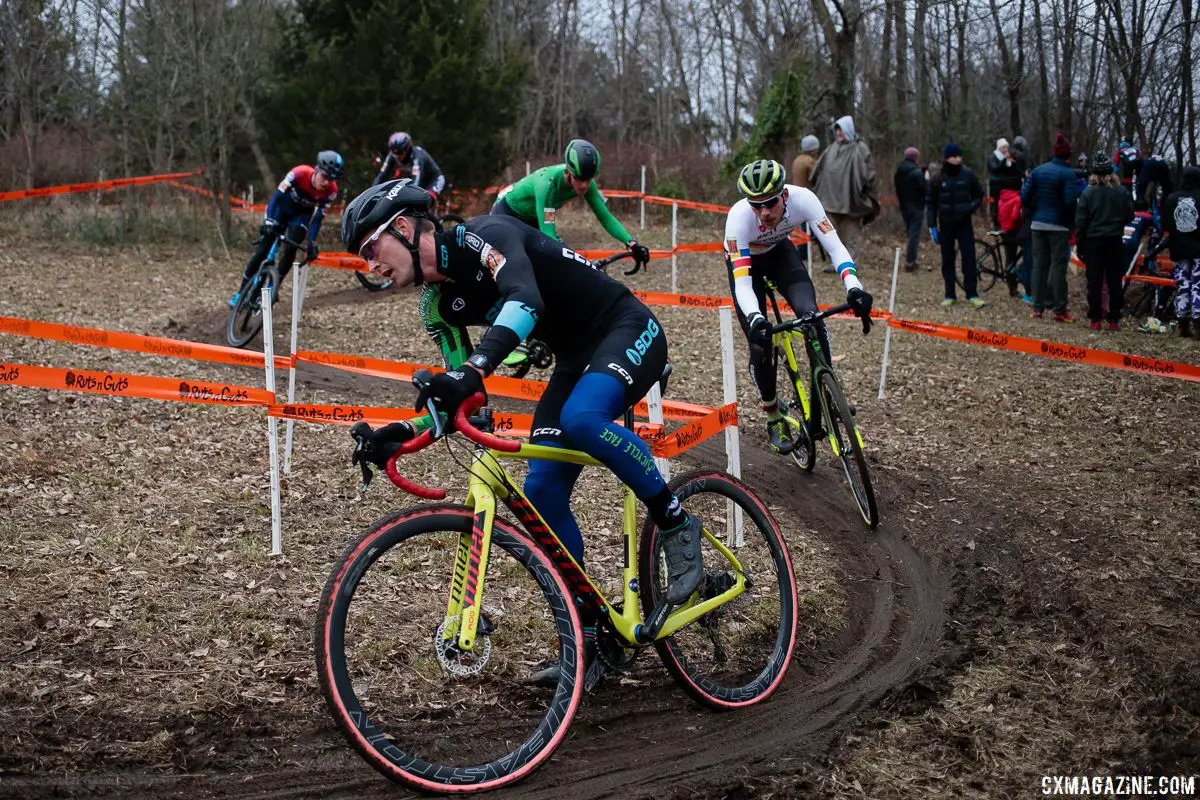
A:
[461,663]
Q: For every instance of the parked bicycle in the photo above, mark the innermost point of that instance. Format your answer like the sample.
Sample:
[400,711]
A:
[430,624]
[991,264]
[245,321]
[825,413]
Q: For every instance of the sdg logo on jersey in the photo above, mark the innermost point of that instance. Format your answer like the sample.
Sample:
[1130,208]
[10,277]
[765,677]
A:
[642,343]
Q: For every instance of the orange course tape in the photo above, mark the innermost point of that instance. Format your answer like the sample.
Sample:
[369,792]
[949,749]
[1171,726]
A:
[516,425]
[136,342]
[1066,352]
[518,388]
[115,183]
[690,435]
[145,386]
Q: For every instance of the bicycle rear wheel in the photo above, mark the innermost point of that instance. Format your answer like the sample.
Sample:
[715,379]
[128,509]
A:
[416,708]
[848,447]
[246,319]
[737,654]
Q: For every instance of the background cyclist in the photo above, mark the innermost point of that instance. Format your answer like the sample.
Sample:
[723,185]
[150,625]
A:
[758,248]
[405,157]
[536,198]
[298,202]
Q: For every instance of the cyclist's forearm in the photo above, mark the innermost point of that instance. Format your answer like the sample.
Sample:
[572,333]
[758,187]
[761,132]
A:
[607,220]
[273,205]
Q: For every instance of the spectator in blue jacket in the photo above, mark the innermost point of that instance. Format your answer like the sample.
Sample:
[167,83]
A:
[1048,199]
[953,199]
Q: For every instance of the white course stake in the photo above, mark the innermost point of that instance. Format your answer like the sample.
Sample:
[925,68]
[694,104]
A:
[268,332]
[526,168]
[655,409]
[298,286]
[643,200]
[674,244]
[733,450]
[887,337]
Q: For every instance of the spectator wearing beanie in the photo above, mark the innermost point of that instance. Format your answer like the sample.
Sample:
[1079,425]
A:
[952,200]
[1048,199]
[802,166]
[1181,221]
[911,189]
[1104,209]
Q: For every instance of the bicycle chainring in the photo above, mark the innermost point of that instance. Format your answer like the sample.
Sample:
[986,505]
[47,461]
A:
[462,663]
[614,654]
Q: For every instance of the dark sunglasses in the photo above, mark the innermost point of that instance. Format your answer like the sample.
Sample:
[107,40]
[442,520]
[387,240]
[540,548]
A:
[765,203]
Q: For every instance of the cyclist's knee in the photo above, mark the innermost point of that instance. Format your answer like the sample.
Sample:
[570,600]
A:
[596,400]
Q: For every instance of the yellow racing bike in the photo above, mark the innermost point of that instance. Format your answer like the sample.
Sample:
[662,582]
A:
[432,623]
[825,413]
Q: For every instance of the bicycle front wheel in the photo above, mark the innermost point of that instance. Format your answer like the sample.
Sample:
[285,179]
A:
[987,267]
[804,449]
[848,446]
[418,709]
[246,319]
[738,653]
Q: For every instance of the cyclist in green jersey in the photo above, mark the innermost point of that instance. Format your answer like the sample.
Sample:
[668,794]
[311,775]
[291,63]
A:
[536,198]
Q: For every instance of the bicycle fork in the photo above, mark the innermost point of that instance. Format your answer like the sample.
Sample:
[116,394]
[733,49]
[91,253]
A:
[464,606]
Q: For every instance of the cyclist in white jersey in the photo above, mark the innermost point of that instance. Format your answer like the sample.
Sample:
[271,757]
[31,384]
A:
[758,248]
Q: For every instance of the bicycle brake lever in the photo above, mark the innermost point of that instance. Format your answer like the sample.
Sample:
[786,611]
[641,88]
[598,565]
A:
[367,476]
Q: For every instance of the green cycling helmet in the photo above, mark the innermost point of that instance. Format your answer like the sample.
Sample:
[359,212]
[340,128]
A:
[582,159]
[761,179]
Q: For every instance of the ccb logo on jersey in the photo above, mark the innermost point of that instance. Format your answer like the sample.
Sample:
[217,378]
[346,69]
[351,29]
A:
[642,343]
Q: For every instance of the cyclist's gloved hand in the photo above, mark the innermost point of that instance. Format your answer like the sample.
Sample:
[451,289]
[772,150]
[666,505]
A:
[933,234]
[376,447]
[641,253]
[862,306]
[760,330]
[448,390]
[313,251]
[269,227]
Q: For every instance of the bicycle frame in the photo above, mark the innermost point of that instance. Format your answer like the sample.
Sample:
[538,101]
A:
[489,482]
[816,365]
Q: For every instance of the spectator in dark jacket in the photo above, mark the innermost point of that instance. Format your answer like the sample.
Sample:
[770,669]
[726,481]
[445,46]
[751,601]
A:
[952,200]
[1181,221]
[1104,210]
[910,193]
[1048,199]
[1003,173]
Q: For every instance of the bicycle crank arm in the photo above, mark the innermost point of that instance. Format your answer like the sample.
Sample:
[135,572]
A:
[654,623]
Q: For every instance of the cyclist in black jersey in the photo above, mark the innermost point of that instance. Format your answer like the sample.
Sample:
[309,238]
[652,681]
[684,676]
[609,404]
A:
[404,156]
[609,349]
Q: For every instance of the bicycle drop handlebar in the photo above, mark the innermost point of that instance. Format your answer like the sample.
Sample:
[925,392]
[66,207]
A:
[808,320]
[602,263]
[463,423]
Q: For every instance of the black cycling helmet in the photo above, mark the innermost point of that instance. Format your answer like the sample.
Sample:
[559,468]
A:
[583,159]
[331,164]
[400,143]
[372,213]
[761,179]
